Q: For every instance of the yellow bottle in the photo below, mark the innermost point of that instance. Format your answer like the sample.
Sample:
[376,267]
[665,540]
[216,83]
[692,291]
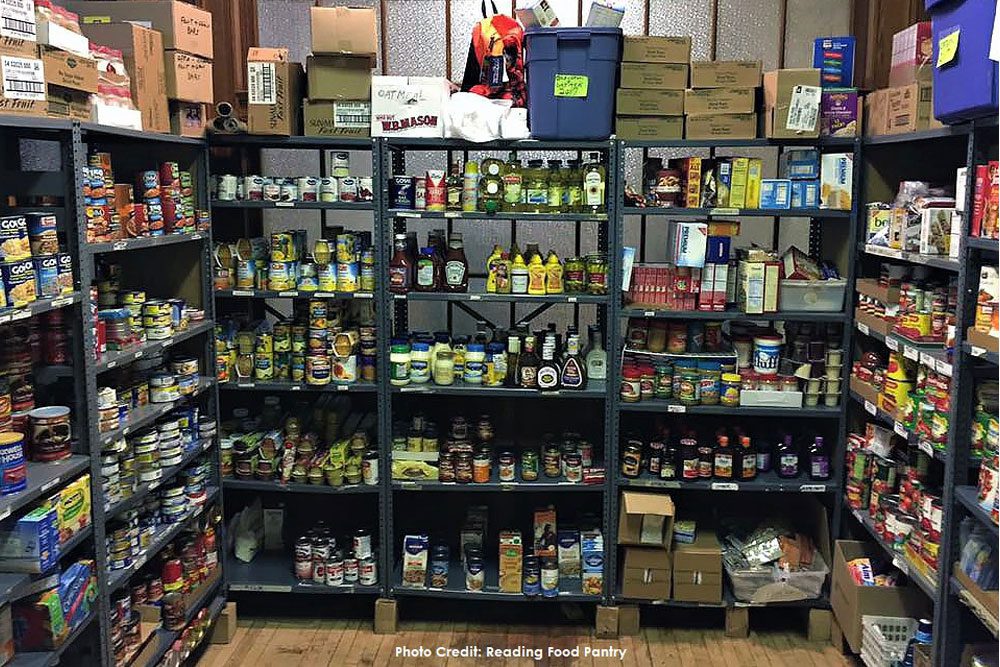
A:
[536,275]
[503,274]
[491,266]
[519,275]
[553,274]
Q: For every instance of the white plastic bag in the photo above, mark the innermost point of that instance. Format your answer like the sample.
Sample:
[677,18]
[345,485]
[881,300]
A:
[476,118]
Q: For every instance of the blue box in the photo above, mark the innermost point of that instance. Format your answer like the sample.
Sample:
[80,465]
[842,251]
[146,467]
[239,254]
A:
[805,194]
[31,544]
[799,163]
[834,58]
[775,193]
[966,87]
[717,251]
[590,52]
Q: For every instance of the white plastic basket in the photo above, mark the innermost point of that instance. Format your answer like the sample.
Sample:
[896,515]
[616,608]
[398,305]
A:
[884,639]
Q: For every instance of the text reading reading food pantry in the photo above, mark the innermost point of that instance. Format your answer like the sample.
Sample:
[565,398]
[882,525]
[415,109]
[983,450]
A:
[533,653]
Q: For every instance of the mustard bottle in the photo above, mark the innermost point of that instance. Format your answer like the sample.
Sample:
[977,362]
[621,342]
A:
[503,274]
[553,274]
[536,275]
[491,269]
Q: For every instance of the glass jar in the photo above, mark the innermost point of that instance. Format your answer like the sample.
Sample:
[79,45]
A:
[710,377]
[463,467]
[399,363]
[575,275]
[597,270]
[552,461]
[689,390]
[729,390]
[444,367]
[664,383]
[420,363]
[529,465]
[481,466]
[647,382]
[506,468]
[632,460]
[631,390]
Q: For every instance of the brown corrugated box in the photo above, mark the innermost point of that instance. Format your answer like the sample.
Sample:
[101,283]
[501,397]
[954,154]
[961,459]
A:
[656,49]
[719,100]
[778,88]
[69,70]
[649,127]
[343,30]
[275,97]
[721,126]
[188,119]
[345,118]
[184,27]
[646,519]
[646,573]
[660,76]
[639,102]
[25,107]
[725,74]
[189,78]
[697,569]
[339,77]
[68,103]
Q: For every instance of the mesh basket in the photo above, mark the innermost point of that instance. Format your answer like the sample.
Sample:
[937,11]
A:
[884,639]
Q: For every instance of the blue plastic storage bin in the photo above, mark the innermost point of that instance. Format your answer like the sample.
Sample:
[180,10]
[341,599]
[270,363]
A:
[591,52]
[967,87]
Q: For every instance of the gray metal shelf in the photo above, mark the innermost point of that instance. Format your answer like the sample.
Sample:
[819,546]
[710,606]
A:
[38,307]
[255,385]
[934,261]
[932,355]
[140,243]
[898,558]
[43,477]
[985,616]
[675,407]
[165,638]
[276,486]
[980,353]
[678,212]
[594,390]
[109,134]
[731,315]
[421,143]
[49,658]
[968,497]
[410,214]
[293,205]
[258,141]
[982,244]
[272,573]
[764,482]
[477,293]
[288,294]
[148,348]
[569,590]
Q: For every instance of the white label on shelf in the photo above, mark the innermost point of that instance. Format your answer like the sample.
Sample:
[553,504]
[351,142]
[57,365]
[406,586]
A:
[120,245]
[284,204]
[911,353]
[260,588]
[325,295]
[399,297]
[567,483]
[571,299]
[111,364]
[673,407]
[870,408]
[475,297]
[812,488]
[925,447]
[342,387]
[49,484]
[892,343]
[296,387]
[138,354]
[246,385]
[20,315]
[863,328]
[453,214]
[167,343]
[363,295]
[288,294]
[901,565]
[140,561]
[126,430]
[196,236]
[884,252]
[507,486]
[724,211]
[649,313]
[62,301]
[900,429]
[977,351]
[927,359]
[942,366]
[206,443]
[5,513]
[407,390]
[242,292]
[407,214]
[550,393]
[725,486]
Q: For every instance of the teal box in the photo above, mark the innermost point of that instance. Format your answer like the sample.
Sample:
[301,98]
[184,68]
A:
[805,194]
[775,193]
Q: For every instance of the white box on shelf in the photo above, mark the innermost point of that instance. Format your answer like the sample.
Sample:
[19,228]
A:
[818,296]
[105,114]
[59,37]
[688,243]
[771,399]
[409,106]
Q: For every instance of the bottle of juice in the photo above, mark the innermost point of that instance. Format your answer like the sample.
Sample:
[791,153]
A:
[470,186]
[513,193]
[553,274]
[536,275]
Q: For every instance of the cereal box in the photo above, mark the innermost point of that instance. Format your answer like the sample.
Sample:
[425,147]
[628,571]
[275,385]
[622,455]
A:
[569,553]
[836,180]
[545,533]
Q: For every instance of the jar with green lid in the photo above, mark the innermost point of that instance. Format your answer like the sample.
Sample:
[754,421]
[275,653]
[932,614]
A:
[664,384]
[536,187]
[575,275]
[529,465]
[680,367]
[557,186]
[689,388]
[729,390]
[597,273]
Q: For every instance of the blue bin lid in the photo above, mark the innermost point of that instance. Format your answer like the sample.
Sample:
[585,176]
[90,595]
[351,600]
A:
[571,30]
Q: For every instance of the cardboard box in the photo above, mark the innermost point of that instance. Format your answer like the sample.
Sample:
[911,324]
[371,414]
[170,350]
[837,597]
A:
[660,76]
[876,111]
[628,620]
[69,70]
[343,30]
[19,36]
[339,77]
[189,78]
[908,108]
[605,618]
[23,86]
[225,625]
[604,16]
[726,74]
[805,194]
[545,533]
[184,27]
[646,573]
[836,178]
[337,119]
[840,112]
[912,51]
[782,90]
[649,127]
[511,553]
[115,116]
[775,193]
[638,102]
[850,601]
[738,182]
[68,103]
[802,163]
[656,50]
[53,34]
[188,119]
[721,126]
[697,569]
[411,106]
[719,100]
[687,243]
[142,50]
[646,519]
[274,97]
[386,616]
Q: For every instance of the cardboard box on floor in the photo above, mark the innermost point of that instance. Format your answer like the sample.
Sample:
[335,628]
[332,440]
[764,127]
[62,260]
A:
[274,92]
[658,76]
[346,118]
[142,50]
[850,601]
[697,568]
[22,86]
[725,74]
[646,573]
[656,50]
[189,78]
[184,27]
[639,102]
[646,519]
[339,77]
[779,87]
[343,30]
[69,70]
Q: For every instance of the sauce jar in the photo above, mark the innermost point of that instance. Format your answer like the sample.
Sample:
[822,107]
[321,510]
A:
[552,461]
[690,388]
[574,468]
[632,459]
[663,386]
[710,376]
[481,468]
[507,469]
[446,467]
[529,465]
[463,467]
[729,390]
[647,382]
[631,390]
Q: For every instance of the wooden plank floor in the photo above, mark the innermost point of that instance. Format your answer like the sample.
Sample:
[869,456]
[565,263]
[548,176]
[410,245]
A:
[305,643]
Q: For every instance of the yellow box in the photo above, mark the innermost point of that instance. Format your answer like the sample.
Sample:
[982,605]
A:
[755,171]
[738,184]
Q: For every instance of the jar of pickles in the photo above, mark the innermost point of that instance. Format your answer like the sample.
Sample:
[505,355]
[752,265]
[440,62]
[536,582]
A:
[664,384]
[689,388]
[529,465]
[597,270]
[575,275]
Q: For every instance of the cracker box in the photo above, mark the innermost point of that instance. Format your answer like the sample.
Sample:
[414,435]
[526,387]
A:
[688,243]
[836,180]
[839,112]
[935,231]
[775,193]
[834,58]
[545,533]
[805,194]
[569,553]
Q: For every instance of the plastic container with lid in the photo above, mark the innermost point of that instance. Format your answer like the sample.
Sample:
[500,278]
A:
[420,363]
[475,358]
[399,364]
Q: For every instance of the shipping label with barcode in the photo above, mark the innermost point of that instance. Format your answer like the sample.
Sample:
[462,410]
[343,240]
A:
[803,110]
[17,19]
[23,78]
[352,115]
[260,83]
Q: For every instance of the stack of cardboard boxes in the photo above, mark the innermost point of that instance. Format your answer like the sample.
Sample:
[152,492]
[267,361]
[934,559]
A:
[650,101]
[22,75]
[840,105]
[70,72]
[339,72]
[274,92]
[906,105]
[722,100]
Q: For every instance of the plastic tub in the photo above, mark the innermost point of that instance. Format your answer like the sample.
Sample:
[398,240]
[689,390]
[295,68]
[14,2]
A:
[588,52]
[884,639]
[955,100]
[772,584]
[813,296]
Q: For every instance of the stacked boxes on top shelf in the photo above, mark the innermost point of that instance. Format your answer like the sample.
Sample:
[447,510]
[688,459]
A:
[339,72]
[906,105]
[791,103]
[722,99]
[70,71]
[650,101]
[840,105]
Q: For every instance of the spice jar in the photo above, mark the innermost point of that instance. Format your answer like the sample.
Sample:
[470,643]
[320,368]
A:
[631,385]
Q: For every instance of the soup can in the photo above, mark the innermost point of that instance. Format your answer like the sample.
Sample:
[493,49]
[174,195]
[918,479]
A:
[271,190]
[348,188]
[13,471]
[225,187]
[317,369]
[308,188]
[253,187]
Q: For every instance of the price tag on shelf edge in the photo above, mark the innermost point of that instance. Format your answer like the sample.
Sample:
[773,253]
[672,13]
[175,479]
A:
[863,328]
[901,565]
[927,360]
[892,343]
[977,351]
[926,447]
[674,407]
[870,408]
[725,486]
[812,488]
[942,366]
[900,430]
[911,353]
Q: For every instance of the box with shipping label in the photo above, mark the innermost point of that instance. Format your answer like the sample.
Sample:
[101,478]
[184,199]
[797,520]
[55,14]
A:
[805,194]
[343,30]
[337,119]
[834,58]
[697,569]
[189,78]
[537,14]
[23,90]
[188,119]
[836,180]
[339,77]
[725,74]
[656,50]
[19,36]
[274,86]
[646,519]
[68,103]
[775,193]
[511,555]
[799,163]
[649,127]
[646,573]
[791,103]
[908,108]
[755,173]
[659,76]
[639,102]
[69,70]
[687,243]
[840,112]
[912,51]
[738,182]
[142,50]
[935,231]
[721,126]
[183,26]
[411,106]
[719,100]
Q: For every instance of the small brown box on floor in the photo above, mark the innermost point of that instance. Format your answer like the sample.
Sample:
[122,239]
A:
[339,77]
[638,102]
[719,100]
[656,50]
[782,88]
[184,26]
[225,627]
[639,128]
[658,76]
[721,126]
[628,620]
[698,569]
[646,519]
[343,30]
[189,78]
[725,74]
[646,573]
[337,119]
[69,70]
[188,119]
[606,622]
[274,92]
[386,616]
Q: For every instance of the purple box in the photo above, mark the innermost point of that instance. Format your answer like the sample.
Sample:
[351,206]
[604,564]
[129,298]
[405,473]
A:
[838,112]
